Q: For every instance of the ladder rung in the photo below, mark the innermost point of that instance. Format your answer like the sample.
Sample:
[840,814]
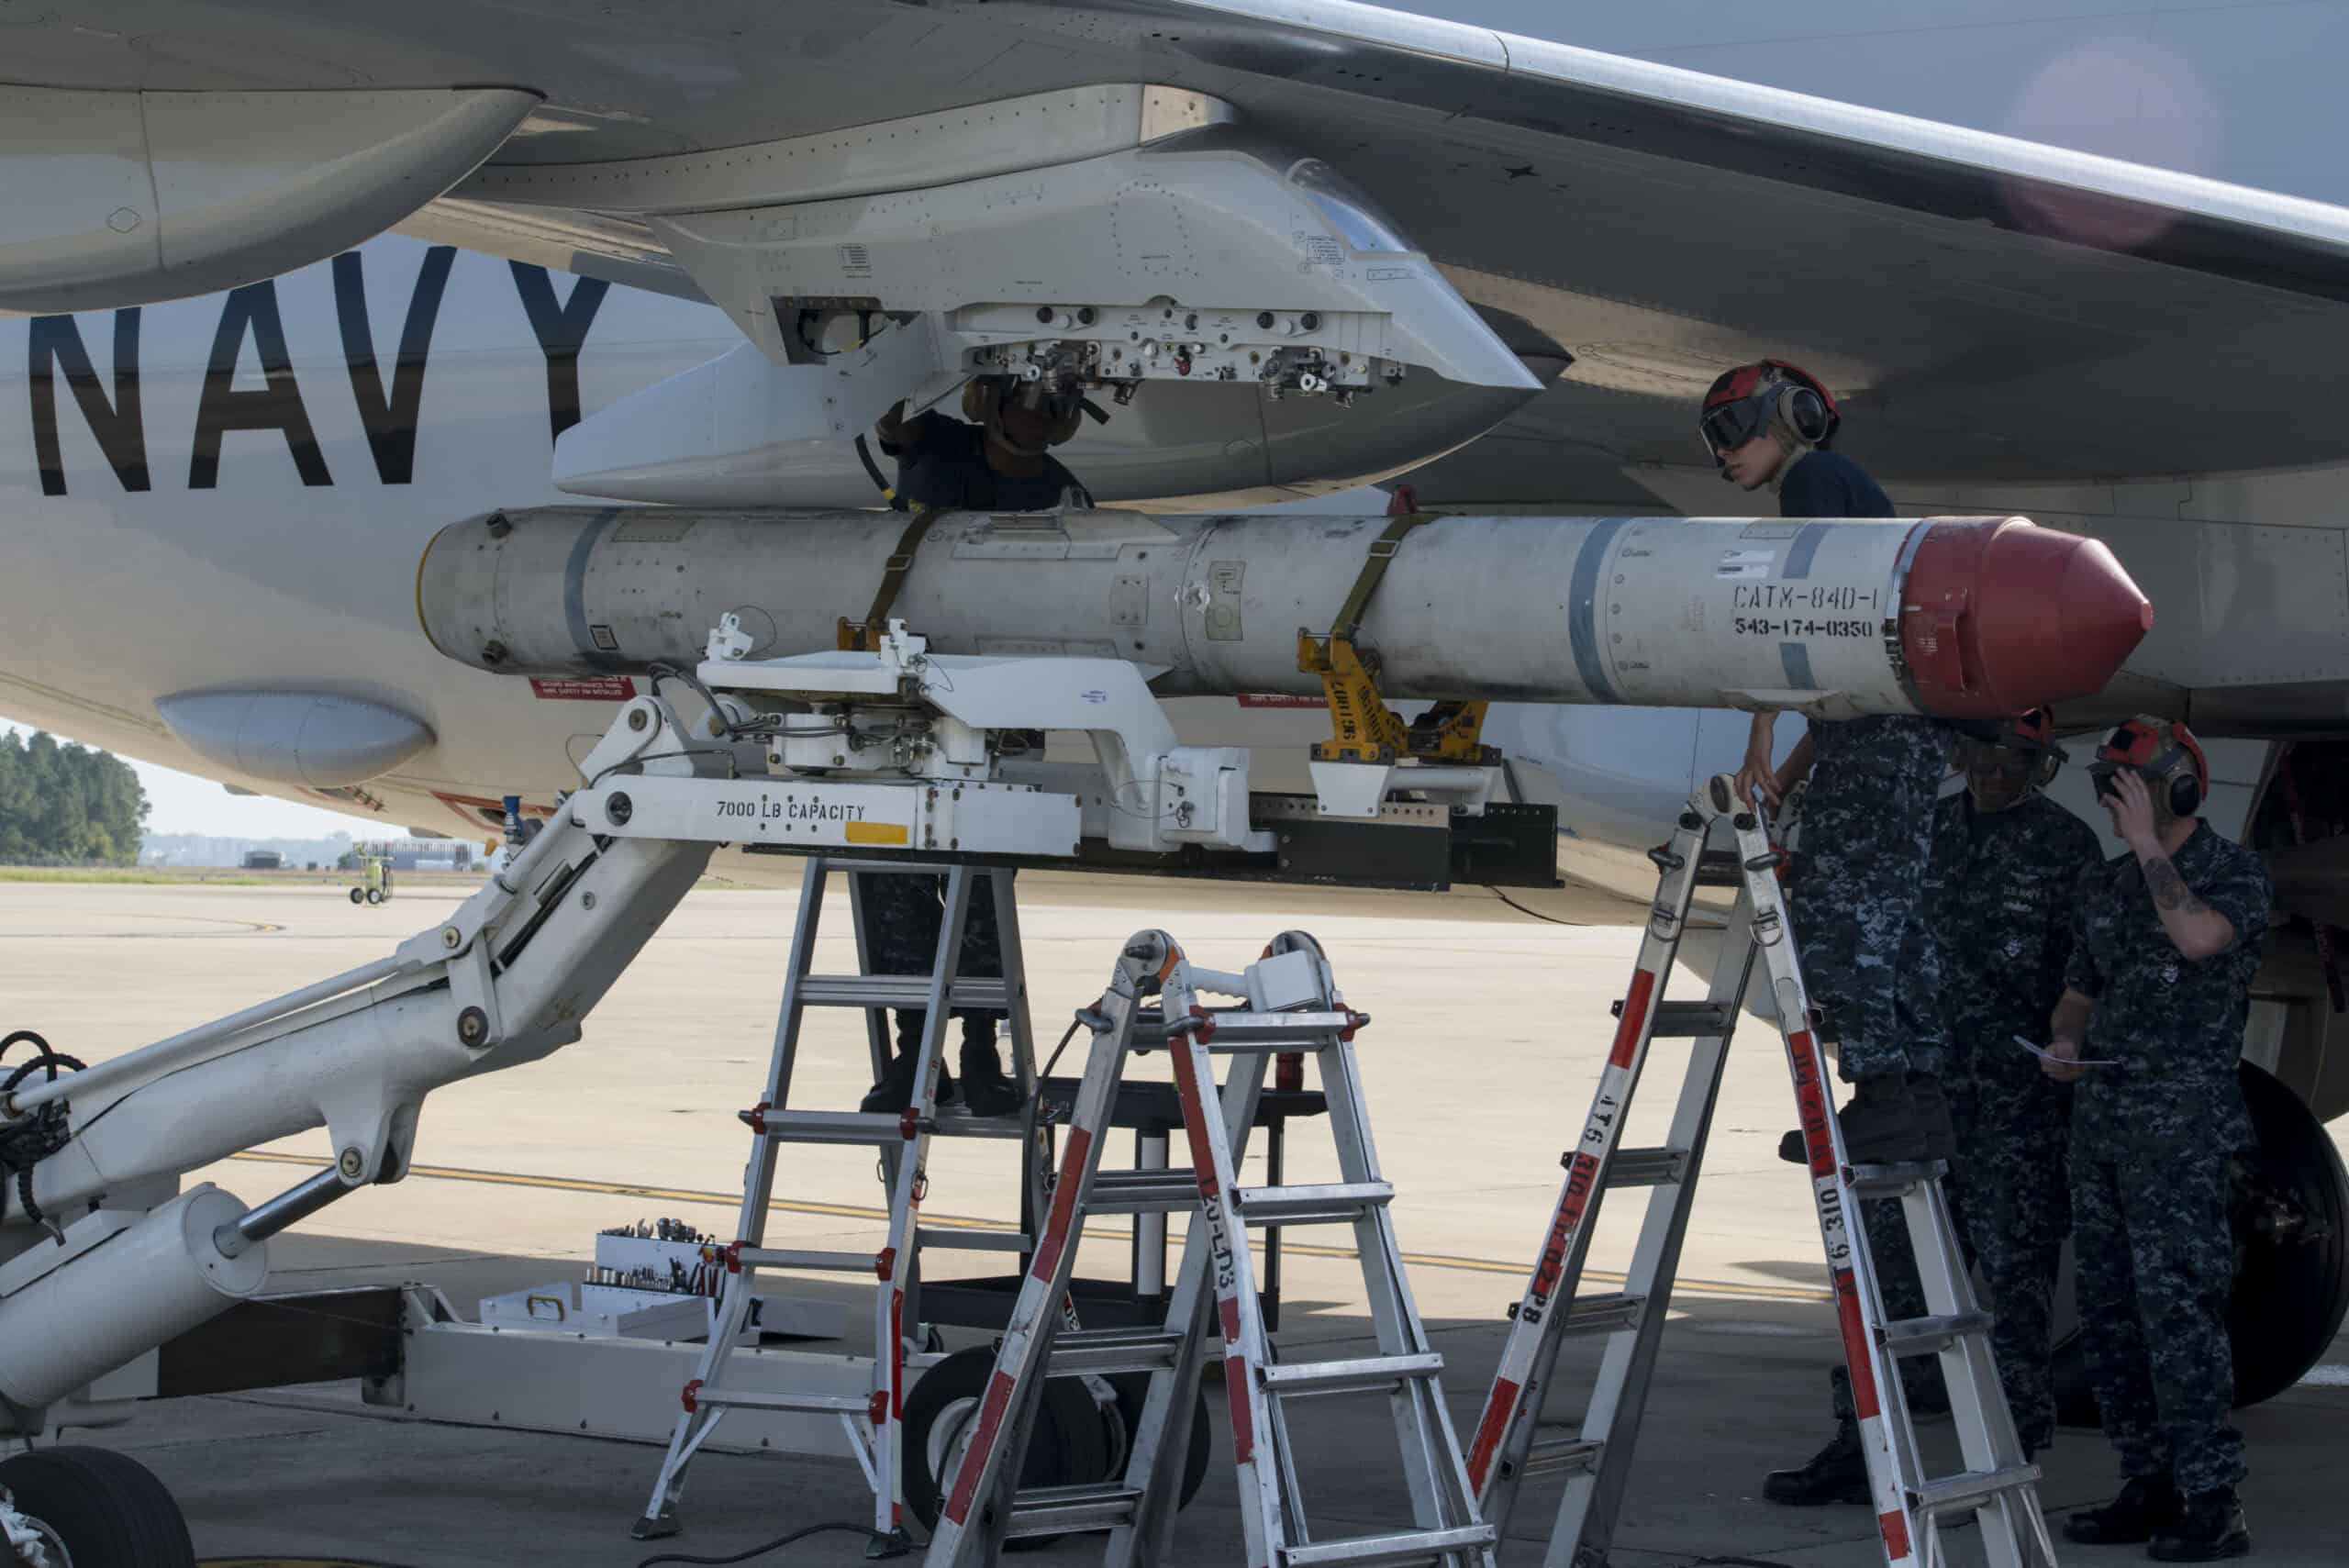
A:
[1691,1020]
[1076,1351]
[1297,1379]
[1916,1336]
[1646,1167]
[879,1127]
[1050,1510]
[973,1240]
[1892,1181]
[1970,1488]
[804,1403]
[1607,1313]
[895,991]
[789,1258]
[1409,1546]
[1277,1031]
[1142,1192]
[1562,1456]
[1326,1205]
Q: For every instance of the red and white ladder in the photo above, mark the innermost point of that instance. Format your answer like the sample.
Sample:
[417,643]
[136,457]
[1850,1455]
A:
[1292,1004]
[1997,1485]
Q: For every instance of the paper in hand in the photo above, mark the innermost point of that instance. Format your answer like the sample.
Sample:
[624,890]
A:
[2046,1055]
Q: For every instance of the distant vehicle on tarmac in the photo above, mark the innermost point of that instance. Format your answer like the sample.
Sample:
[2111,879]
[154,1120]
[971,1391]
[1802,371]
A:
[374,880]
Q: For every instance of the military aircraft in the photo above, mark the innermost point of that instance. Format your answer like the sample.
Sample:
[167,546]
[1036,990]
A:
[297,286]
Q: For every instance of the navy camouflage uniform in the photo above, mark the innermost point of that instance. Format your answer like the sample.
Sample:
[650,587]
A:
[1857,893]
[1999,895]
[2153,1139]
[1869,954]
[905,918]
[944,465]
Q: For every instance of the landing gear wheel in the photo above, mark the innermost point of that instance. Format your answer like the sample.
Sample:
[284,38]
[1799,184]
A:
[375,895]
[98,1509]
[359,896]
[1066,1450]
[1133,1390]
[2291,1225]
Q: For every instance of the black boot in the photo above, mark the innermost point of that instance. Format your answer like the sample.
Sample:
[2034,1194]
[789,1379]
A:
[1884,1125]
[986,1089]
[2208,1528]
[894,1092]
[1836,1473]
[2145,1506]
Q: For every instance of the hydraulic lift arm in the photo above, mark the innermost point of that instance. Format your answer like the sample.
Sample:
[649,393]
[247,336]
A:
[103,1276]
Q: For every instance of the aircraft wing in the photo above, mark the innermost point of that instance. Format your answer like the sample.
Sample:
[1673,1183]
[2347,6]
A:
[1998,308]
[2001,310]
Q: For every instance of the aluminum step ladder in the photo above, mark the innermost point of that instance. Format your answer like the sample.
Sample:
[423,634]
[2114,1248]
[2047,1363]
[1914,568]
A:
[902,1139]
[1997,1485]
[1292,1005]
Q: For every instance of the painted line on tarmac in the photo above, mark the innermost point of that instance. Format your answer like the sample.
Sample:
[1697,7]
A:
[1725,1289]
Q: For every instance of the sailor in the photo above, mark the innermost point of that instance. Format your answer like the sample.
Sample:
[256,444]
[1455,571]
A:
[1001,461]
[2165,941]
[2005,863]
[1858,895]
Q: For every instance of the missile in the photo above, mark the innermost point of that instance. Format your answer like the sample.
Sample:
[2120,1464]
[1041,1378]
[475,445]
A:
[1959,617]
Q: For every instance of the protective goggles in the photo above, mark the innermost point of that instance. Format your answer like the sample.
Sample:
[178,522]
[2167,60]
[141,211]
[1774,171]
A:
[1729,425]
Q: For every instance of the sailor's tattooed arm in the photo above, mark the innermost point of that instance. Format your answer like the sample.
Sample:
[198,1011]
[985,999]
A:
[2196,929]
[2169,889]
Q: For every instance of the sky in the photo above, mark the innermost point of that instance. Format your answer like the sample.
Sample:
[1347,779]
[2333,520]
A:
[184,803]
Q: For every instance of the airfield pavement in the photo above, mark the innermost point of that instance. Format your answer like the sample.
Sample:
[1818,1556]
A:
[1490,1025]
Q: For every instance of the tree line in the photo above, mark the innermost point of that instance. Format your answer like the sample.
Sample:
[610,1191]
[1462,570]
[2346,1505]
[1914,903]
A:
[65,804]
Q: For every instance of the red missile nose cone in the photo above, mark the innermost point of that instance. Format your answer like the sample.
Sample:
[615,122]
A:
[1998,616]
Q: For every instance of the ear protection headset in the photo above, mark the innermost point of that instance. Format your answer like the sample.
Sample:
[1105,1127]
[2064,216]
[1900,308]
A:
[985,397]
[1744,401]
[2165,755]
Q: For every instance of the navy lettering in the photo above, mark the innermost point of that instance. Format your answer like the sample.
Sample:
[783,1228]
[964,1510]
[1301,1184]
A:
[277,407]
[390,419]
[53,344]
[561,328]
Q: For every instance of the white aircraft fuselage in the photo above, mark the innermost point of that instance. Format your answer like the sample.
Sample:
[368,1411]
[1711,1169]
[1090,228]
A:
[248,508]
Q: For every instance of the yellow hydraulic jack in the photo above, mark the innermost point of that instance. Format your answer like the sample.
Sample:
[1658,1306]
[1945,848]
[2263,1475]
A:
[1364,728]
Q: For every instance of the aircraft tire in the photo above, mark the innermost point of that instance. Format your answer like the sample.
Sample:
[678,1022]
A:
[1133,1390]
[1068,1447]
[103,1509]
[2290,1291]
[359,896]
[374,897]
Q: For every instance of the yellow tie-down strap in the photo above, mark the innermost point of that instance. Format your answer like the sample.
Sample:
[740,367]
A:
[1363,728]
[865,635]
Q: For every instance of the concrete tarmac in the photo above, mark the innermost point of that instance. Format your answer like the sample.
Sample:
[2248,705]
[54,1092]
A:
[1490,1025]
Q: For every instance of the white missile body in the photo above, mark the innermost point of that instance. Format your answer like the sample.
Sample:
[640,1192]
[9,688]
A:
[1955,616]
